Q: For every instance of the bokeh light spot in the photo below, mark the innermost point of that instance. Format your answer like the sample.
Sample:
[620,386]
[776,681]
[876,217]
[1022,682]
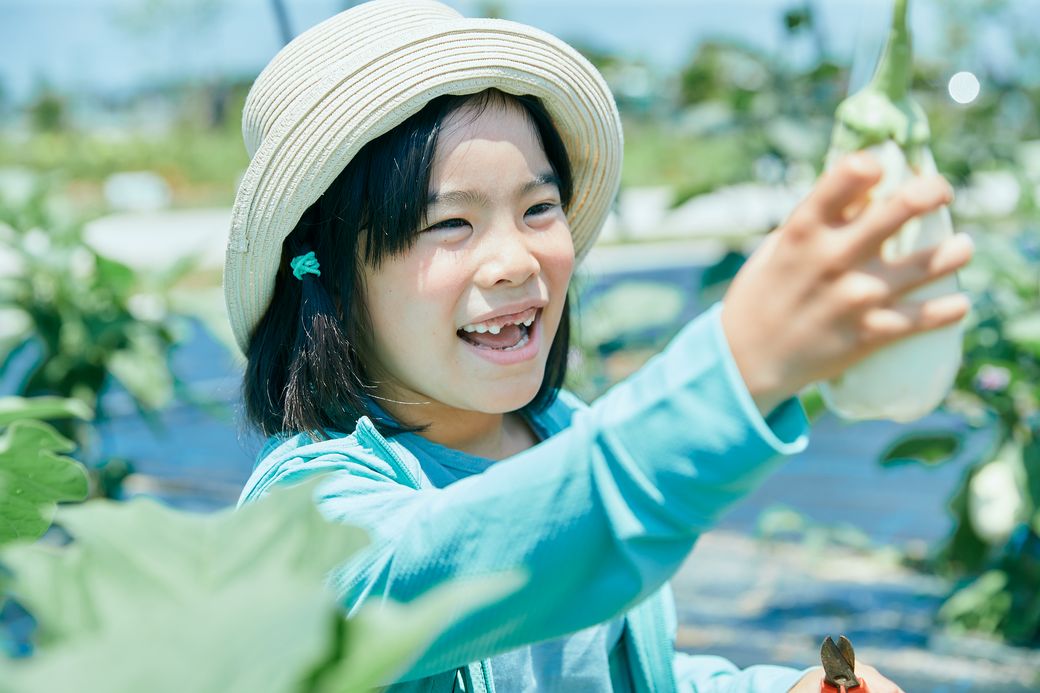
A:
[964,87]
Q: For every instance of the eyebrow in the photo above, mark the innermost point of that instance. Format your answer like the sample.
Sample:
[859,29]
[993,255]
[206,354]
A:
[471,197]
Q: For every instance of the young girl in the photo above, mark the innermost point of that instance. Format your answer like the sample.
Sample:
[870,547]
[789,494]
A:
[421,187]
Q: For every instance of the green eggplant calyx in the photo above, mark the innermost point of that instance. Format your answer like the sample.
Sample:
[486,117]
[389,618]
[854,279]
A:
[869,117]
[883,109]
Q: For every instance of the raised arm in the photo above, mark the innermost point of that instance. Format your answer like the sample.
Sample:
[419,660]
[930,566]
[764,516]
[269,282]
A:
[599,516]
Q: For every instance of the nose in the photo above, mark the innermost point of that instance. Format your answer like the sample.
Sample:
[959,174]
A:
[506,256]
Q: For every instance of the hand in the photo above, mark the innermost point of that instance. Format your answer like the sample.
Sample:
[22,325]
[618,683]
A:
[816,297]
[875,682]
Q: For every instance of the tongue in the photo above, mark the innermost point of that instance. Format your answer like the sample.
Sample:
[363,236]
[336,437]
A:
[508,337]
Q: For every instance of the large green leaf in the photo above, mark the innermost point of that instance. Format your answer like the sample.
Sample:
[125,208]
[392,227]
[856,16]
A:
[42,408]
[130,556]
[379,644]
[148,598]
[263,634]
[33,478]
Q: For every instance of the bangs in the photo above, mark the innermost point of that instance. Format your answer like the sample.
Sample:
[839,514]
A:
[399,165]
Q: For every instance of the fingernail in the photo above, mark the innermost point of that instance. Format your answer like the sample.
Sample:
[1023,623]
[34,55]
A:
[862,163]
[964,240]
[925,190]
[954,304]
[953,252]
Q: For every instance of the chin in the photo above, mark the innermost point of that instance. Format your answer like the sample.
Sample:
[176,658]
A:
[518,397]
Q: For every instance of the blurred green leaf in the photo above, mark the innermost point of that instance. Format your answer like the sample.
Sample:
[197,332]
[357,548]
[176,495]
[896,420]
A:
[1025,329]
[42,408]
[115,276]
[127,556]
[723,271]
[812,402]
[247,586]
[234,602]
[33,478]
[389,647]
[142,369]
[929,448]
[982,605]
[266,634]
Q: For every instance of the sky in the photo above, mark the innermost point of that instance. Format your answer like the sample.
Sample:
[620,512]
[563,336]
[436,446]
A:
[103,46]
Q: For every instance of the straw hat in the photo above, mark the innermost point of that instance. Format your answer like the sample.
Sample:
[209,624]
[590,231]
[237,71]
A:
[364,71]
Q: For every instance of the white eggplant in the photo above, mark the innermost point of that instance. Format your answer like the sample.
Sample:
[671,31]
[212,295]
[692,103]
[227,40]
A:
[908,379]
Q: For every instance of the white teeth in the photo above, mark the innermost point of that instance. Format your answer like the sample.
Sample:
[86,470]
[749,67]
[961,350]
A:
[482,328]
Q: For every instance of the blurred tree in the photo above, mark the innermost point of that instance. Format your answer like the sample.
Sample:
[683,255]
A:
[4,98]
[493,9]
[47,111]
[148,17]
[802,19]
[281,15]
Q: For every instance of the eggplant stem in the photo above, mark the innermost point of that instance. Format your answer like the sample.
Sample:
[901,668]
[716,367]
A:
[893,73]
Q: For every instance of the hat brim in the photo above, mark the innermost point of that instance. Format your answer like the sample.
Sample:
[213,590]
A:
[377,89]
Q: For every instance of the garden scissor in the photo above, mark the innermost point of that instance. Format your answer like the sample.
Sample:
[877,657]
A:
[839,667]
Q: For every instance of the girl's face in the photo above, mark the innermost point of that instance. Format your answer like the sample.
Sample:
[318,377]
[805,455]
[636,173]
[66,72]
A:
[465,317]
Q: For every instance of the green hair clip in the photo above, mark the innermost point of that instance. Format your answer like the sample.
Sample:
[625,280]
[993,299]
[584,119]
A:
[305,264]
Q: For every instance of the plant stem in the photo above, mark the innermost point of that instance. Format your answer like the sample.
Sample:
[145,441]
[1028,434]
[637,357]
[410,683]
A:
[892,76]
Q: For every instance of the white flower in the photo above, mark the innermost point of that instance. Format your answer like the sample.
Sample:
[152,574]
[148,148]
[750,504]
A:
[147,307]
[995,501]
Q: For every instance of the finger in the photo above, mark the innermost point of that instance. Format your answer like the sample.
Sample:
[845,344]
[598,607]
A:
[847,184]
[882,219]
[925,266]
[891,323]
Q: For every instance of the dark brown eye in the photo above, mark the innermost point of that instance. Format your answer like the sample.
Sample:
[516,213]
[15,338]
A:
[448,224]
[542,208]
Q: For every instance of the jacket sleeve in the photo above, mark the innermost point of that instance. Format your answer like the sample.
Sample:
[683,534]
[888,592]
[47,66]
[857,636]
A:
[598,516]
[697,673]
[711,674]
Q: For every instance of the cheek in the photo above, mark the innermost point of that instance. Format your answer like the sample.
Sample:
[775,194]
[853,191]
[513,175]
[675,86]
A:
[557,257]
[412,297]
[387,299]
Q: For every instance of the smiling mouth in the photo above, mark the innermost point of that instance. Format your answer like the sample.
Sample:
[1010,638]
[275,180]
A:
[509,337]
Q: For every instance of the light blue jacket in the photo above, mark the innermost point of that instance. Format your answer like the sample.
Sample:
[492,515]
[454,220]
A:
[600,515]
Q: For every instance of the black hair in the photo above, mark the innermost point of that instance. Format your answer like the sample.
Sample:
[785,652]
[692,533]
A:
[306,366]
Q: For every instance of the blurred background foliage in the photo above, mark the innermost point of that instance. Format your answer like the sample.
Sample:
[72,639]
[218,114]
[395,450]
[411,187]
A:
[733,114]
